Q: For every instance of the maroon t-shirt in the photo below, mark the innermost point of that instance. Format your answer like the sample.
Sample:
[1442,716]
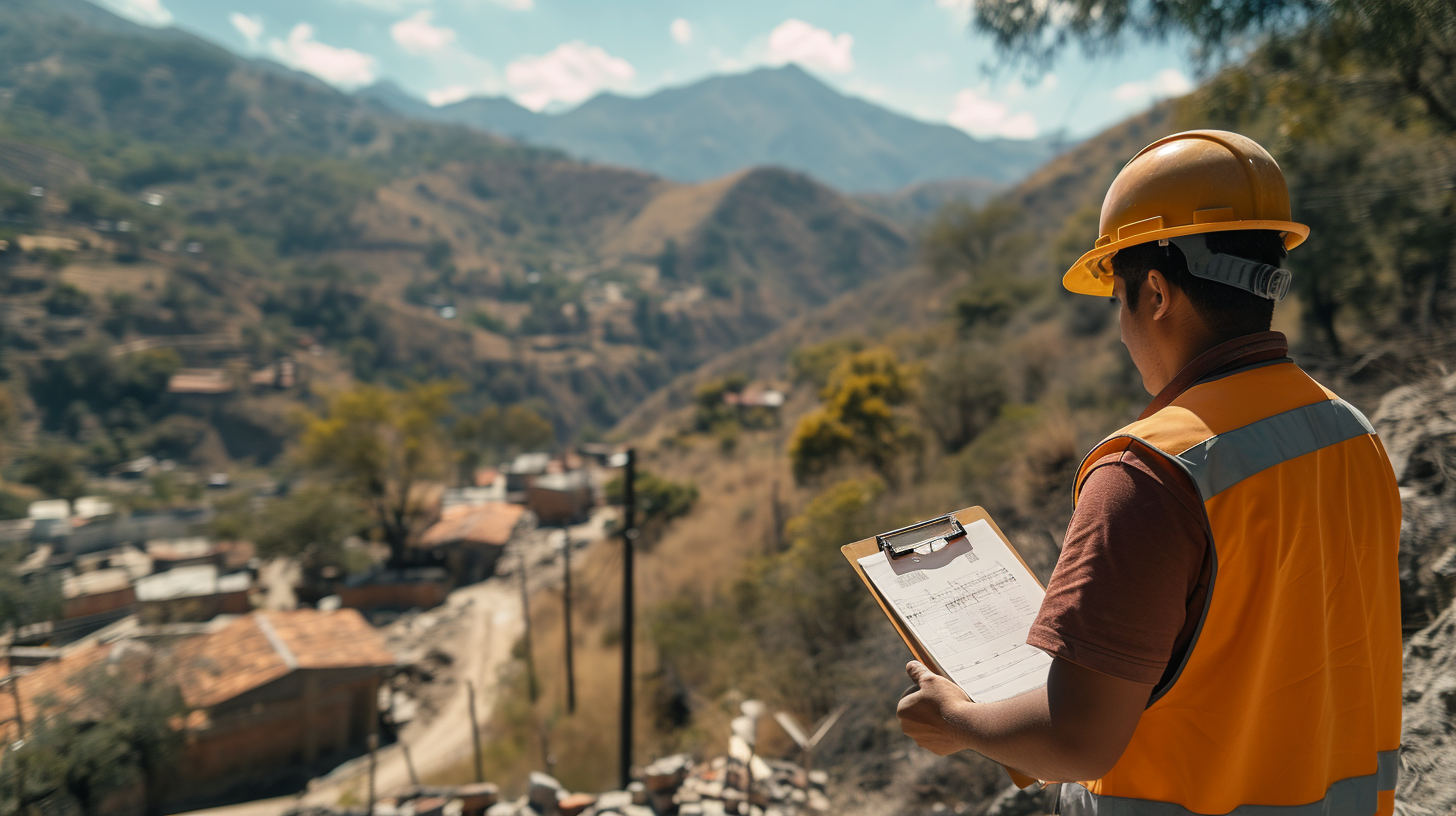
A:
[1131,583]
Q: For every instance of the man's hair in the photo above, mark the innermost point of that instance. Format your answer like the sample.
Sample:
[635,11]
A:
[1228,310]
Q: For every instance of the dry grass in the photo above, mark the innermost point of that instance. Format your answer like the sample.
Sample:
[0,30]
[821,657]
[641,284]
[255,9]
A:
[101,279]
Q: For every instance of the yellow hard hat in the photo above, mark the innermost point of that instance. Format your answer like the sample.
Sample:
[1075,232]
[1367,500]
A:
[1189,183]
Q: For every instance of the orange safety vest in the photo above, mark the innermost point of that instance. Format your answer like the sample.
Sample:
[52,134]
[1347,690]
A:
[1288,699]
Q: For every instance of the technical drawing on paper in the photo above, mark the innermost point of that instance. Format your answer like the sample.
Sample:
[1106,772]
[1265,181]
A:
[970,605]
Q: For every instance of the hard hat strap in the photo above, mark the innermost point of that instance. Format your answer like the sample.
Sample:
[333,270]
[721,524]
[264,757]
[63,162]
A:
[1263,280]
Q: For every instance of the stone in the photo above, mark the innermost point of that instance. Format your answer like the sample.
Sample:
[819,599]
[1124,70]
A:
[638,791]
[613,801]
[818,802]
[544,792]
[819,779]
[429,806]
[501,809]
[475,798]
[667,773]
[1014,801]
[574,803]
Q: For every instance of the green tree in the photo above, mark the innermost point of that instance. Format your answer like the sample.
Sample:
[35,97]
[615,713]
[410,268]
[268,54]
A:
[54,471]
[310,526]
[495,434]
[659,501]
[859,417]
[710,410]
[27,599]
[66,300]
[1406,46]
[381,445]
[126,733]
[976,241]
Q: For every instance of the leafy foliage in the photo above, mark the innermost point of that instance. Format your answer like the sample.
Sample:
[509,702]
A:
[56,472]
[30,599]
[381,445]
[858,417]
[659,500]
[124,733]
[310,526]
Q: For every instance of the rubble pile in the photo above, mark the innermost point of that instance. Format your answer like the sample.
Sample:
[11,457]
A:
[672,785]
[676,785]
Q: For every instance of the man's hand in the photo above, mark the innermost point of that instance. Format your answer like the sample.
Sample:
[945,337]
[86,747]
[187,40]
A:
[1074,728]
[926,709]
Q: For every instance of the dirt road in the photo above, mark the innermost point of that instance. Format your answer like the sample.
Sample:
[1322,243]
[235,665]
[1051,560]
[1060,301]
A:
[494,626]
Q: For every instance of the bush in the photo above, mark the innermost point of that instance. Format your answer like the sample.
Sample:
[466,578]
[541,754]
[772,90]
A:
[859,417]
[67,301]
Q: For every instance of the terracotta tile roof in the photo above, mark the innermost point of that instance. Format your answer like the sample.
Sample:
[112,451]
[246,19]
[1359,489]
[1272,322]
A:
[54,680]
[264,646]
[490,523]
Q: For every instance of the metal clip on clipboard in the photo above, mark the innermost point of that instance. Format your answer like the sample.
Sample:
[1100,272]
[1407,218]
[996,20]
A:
[906,540]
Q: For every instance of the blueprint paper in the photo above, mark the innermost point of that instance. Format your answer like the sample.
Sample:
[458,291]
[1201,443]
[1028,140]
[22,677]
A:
[970,604]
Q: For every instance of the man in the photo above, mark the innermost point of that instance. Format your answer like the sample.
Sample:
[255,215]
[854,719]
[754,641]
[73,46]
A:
[1224,617]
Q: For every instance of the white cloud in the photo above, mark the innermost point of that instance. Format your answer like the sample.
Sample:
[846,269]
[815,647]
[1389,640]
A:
[344,67]
[681,31]
[812,47]
[449,95]
[1167,82]
[251,27]
[391,6]
[571,73]
[146,12]
[517,5]
[986,118]
[1049,82]
[416,35]
[960,9]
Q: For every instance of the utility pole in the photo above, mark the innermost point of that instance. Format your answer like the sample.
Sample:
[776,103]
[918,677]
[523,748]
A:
[20,794]
[629,537]
[566,603]
[475,732]
[373,746]
[530,643]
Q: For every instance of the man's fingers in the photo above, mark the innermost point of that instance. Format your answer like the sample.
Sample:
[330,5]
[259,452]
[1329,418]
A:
[909,690]
[918,672]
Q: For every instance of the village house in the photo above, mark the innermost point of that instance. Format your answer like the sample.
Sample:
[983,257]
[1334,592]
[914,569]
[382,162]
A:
[275,697]
[559,499]
[468,540]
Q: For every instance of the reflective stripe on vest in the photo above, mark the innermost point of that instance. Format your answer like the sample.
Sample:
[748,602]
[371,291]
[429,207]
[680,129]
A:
[1222,461]
[1347,797]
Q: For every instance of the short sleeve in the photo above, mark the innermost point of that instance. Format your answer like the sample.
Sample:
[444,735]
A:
[1133,557]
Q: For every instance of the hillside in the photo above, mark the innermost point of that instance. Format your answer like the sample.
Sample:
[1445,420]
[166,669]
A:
[289,219]
[721,125]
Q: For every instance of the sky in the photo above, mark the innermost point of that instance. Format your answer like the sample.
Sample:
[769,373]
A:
[916,57]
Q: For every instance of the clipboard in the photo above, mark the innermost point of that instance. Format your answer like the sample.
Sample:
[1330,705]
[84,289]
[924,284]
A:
[869,546]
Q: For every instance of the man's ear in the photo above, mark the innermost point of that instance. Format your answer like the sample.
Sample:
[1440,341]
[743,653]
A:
[1159,292]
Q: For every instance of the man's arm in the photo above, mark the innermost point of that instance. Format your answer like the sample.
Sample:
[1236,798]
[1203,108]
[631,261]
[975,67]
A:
[1075,728]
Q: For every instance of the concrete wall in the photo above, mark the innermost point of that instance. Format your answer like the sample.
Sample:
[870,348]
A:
[195,608]
[98,603]
[397,595]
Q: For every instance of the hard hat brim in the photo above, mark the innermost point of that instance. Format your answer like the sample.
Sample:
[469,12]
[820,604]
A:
[1092,273]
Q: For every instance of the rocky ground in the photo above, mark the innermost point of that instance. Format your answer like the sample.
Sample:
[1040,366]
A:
[1418,426]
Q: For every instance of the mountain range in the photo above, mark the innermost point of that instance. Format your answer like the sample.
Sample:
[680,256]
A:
[720,125]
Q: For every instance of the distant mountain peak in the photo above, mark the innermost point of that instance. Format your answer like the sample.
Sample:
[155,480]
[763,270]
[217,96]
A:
[775,115]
